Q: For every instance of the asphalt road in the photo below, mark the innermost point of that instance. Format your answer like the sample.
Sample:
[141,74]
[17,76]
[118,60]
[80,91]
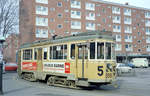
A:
[137,84]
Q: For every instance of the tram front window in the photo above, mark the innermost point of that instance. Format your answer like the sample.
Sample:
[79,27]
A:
[108,50]
[100,50]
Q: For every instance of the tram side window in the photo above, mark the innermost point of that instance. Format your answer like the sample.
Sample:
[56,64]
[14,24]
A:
[27,54]
[45,53]
[58,52]
[100,50]
[65,51]
[108,50]
[35,53]
[92,50]
[72,51]
[51,52]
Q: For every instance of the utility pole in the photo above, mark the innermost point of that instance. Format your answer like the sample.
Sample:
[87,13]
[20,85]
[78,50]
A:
[2,40]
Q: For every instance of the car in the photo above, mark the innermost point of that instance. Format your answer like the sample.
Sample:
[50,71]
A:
[11,67]
[123,68]
[130,65]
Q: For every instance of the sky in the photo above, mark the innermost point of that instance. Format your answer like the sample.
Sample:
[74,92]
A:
[137,3]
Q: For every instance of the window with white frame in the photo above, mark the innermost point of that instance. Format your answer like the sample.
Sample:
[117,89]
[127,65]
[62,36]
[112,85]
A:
[127,29]
[90,26]
[116,28]
[42,1]
[75,14]
[128,38]
[118,37]
[75,25]
[118,47]
[147,30]
[116,19]
[127,11]
[41,10]
[90,16]
[90,6]
[41,33]
[40,21]
[147,22]
[147,14]
[148,48]
[115,10]
[75,4]
[129,47]
[127,20]
[147,39]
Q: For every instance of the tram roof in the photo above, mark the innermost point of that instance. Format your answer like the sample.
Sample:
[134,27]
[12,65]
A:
[81,36]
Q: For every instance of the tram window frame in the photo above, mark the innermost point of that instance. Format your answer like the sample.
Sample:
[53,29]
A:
[27,54]
[45,51]
[113,54]
[72,51]
[35,53]
[108,52]
[100,53]
[92,52]
[58,52]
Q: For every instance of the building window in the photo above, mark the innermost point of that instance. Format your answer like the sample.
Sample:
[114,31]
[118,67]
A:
[59,26]
[147,23]
[41,10]
[52,20]
[90,6]
[90,26]
[127,20]
[127,29]
[127,11]
[41,33]
[118,47]
[148,48]
[52,9]
[128,47]
[42,1]
[147,31]
[139,50]
[116,28]
[75,25]
[147,14]
[59,15]
[90,16]
[147,39]
[128,38]
[75,14]
[59,4]
[115,10]
[40,21]
[118,37]
[116,19]
[75,4]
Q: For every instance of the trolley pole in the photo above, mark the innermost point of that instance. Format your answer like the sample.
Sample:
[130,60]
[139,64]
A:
[1,78]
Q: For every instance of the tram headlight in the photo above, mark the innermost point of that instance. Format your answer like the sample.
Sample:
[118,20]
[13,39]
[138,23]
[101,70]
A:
[109,66]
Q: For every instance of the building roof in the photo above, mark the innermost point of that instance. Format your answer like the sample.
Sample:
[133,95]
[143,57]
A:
[118,4]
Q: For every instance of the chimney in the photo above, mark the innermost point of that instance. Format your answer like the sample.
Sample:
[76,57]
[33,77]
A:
[126,3]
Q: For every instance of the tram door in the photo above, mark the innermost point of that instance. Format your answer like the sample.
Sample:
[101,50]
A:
[82,60]
[39,59]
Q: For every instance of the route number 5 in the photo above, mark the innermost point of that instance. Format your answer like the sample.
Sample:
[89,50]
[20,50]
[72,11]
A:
[100,71]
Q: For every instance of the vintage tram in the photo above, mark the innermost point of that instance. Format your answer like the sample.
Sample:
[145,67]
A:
[80,60]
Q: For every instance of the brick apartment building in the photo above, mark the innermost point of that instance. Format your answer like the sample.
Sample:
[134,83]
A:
[9,52]
[39,19]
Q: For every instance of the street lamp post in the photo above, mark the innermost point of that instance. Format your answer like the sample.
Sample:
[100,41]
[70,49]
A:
[2,40]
